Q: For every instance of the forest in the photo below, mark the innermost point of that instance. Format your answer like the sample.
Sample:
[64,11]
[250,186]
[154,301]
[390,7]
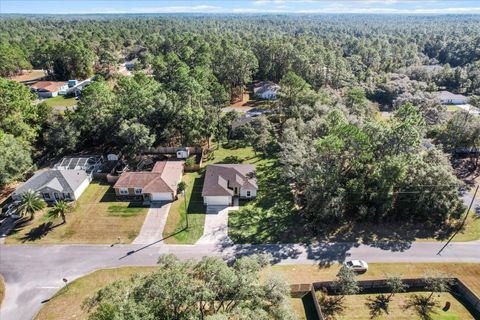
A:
[336,72]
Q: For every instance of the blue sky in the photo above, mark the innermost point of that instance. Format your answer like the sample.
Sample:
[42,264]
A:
[238,7]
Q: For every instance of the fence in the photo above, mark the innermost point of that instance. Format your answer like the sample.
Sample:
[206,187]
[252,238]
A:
[172,150]
[380,286]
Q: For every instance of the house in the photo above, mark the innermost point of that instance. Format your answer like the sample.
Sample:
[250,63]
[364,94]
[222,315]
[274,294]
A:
[224,182]
[54,185]
[160,184]
[266,90]
[447,97]
[49,89]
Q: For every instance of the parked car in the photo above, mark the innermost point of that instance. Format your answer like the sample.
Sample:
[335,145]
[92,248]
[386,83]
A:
[477,209]
[356,265]
[461,191]
[9,210]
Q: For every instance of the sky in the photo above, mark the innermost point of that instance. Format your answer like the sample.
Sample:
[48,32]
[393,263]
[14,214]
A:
[241,6]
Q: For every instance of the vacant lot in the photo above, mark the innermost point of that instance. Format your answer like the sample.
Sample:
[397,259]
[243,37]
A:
[66,303]
[96,218]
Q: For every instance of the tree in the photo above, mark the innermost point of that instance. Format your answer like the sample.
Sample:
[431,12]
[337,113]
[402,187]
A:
[18,114]
[30,203]
[60,209]
[378,305]
[357,102]
[204,289]
[134,138]
[437,282]
[15,158]
[13,60]
[422,305]
[182,186]
[294,92]
[395,285]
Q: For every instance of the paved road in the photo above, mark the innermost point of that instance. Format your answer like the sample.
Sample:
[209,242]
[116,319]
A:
[33,273]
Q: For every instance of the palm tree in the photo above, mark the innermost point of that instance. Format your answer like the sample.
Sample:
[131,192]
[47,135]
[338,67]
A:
[60,208]
[30,203]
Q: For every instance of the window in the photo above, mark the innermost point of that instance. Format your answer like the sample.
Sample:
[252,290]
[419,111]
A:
[57,196]
[123,191]
[66,195]
[248,193]
[46,195]
[138,190]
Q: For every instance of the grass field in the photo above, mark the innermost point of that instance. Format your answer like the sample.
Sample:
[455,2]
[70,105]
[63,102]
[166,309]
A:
[356,308]
[96,218]
[66,303]
[2,289]
[61,101]
[174,231]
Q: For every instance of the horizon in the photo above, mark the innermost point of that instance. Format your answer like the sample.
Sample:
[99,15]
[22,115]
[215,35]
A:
[245,7]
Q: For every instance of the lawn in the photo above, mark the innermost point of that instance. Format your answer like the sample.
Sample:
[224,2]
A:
[452,107]
[61,101]
[96,218]
[174,231]
[2,289]
[66,303]
[356,308]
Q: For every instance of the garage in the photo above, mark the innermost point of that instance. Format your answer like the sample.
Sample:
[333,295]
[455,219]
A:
[217,200]
[161,196]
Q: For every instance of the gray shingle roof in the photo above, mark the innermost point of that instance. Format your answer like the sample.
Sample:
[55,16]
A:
[64,181]
[447,95]
[219,177]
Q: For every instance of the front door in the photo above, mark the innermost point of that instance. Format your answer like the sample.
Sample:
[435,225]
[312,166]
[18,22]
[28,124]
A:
[235,192]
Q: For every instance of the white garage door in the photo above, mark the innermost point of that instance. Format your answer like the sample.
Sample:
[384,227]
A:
[218,201]
[161,196]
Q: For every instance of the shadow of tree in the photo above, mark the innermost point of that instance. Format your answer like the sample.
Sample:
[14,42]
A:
[39,232]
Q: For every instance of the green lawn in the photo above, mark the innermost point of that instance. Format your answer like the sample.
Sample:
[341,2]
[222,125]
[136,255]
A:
[452,107]
[174,231]
[61,101]
[356,308]
[96,218]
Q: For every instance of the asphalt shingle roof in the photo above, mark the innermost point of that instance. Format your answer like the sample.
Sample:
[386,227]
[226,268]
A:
[219,177]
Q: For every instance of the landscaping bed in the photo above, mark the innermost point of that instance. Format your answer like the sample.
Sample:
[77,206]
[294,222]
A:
[96,218]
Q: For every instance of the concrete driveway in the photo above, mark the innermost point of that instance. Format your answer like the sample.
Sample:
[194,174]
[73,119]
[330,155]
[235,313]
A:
[216,226]
[154,224]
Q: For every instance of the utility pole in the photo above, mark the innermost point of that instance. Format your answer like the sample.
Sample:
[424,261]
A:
[185,204]
[463,222]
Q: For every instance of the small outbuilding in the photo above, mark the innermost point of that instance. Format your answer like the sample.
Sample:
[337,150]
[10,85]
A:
[447,97]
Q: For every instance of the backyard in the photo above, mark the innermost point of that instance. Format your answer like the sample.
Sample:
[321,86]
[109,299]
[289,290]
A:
[96,218]
[356,308]
[66,303]
[61,101]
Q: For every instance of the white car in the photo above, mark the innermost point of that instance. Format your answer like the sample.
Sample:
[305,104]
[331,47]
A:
[356,265]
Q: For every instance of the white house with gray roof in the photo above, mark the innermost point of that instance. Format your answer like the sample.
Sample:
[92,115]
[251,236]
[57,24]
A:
[266,90]
[54,185]
[224,182]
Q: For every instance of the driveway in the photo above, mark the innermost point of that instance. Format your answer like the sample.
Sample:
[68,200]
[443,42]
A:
[154,224]
[215,230]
